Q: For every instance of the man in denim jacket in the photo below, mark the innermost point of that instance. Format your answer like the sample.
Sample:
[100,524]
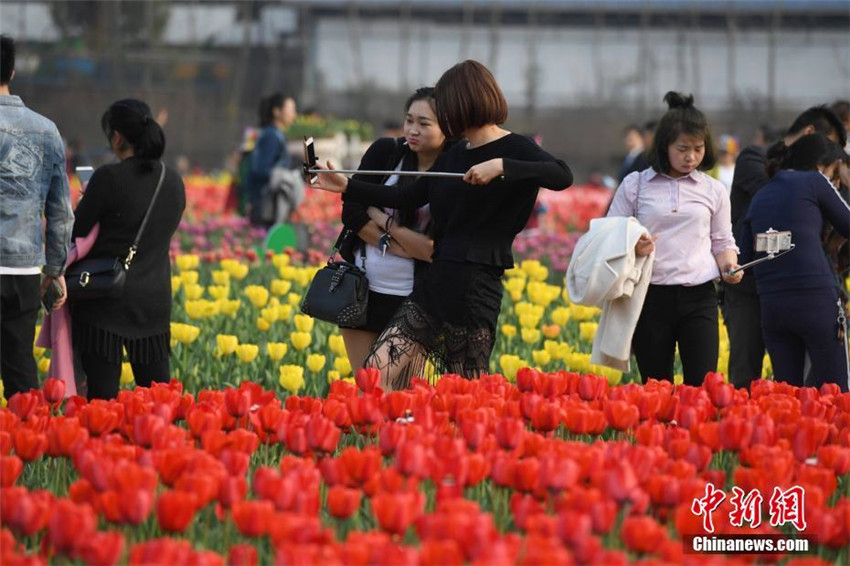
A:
[33,185]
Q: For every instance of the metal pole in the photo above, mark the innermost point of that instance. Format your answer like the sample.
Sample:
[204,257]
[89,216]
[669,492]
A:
[439,174]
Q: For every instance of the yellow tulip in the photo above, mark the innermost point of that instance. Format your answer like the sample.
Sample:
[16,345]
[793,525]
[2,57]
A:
[304,275]
[221,277]
[678,379]
[280,260]
[44,365]
[175,285]
[579,362]
[337,345]
[193,291]
[333,375]
[342,365]
[560,316]
[247,352]
[315,362]
[510,365]
[581,312]
[304,323]
[189,277]
[184,333]
[281,287]
[541,357]
[236,270]
[186,262]
[229,306]
[226,343]
[263,325]
[530,335]
[288,272]
[284,312]
[257,294]
[218,291]
[127,377]
[291,377]
[270,314]
[587,330]
[37,351]
[293,299]
[276,350]
[529,320]
[2,396]
[509,330]
[300,340]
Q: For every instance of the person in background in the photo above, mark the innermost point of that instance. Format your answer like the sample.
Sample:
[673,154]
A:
[33,185]
[391,271]
[800,307]
[842,110]
[633,142]
[741,307]
[277,112]
[641,162]
[116,199]
[687,211]
[727,153]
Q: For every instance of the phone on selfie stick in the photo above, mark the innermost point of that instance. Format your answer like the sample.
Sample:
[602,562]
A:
[310,160]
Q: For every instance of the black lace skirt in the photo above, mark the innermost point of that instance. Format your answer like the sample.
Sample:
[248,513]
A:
[450,320]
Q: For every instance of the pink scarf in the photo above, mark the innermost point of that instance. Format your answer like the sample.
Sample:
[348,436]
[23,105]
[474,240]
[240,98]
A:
[56,328]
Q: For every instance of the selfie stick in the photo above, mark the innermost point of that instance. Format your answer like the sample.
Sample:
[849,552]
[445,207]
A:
[768,257]
[399,173]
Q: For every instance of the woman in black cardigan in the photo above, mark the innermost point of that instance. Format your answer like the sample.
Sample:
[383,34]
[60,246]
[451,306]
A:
[409,247]
[117,198]
[451,316]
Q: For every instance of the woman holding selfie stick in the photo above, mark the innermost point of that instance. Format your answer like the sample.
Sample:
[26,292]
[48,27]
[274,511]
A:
[688,212]
[450,318]
[800,308]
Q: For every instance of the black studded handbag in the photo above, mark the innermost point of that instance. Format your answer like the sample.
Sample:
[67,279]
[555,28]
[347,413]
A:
[104,277]
[339,292]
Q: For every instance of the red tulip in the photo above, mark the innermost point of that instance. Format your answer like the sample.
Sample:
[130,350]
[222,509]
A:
[809,435]
[547,417]
[526,472]
[836,458]
[642,534]
[54,390]
[734,433]
[592,387]
[201,418]
[395,512]
[146,428]
[242,555]
[104,548]
[10,469]
[29,444]
[411,459]
[358,466]
[621,415]
[63,434]
[440,553]
[161,551]
[509,433]
[232,490]
[24,512]
[135,505]
[237,401]
[322,434]
[101,417]
[573,526]
[175,510]
[69,525]
[526,379]
[367,379]
[253,518]
[24,404]
[343,502]
[523,507]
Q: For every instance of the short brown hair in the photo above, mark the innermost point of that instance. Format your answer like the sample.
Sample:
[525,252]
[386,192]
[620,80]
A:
[468,96]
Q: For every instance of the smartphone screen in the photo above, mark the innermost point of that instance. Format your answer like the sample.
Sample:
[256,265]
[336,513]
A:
[310,159]
[84,172]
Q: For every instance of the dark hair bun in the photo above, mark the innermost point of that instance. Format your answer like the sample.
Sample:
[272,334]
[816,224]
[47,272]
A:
[678,100]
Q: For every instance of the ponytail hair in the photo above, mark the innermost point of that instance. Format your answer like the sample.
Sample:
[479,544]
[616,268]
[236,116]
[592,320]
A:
[133,120]
[682,117]
[265,110]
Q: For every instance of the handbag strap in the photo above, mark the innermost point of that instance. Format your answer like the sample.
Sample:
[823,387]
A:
[131,253]
[344,235]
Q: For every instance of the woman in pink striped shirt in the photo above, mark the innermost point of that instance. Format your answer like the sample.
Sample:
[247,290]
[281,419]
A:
[688,213]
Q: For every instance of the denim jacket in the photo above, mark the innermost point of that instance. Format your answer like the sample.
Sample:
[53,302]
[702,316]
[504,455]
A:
[33,185]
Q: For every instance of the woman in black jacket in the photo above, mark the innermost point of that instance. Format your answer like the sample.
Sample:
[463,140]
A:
[390,263]
[117,198]
[451,316]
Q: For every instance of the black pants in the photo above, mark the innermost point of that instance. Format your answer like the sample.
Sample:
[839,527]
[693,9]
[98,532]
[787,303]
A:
[742,314]
[20,297]
[103,377]
[800,323]
[671,314]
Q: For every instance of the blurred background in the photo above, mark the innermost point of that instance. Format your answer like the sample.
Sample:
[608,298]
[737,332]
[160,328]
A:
[575,73]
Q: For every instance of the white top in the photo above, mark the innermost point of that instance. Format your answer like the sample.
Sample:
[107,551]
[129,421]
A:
[390,274]
[20,270]
[691,217]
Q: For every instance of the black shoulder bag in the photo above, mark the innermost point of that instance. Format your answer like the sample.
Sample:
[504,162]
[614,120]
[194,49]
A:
[100,278]
[339,292]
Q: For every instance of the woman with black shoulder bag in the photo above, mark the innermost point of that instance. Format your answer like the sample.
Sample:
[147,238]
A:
[391,245]
[137,204]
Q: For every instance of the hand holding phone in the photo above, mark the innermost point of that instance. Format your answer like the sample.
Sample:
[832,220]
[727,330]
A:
[310,160]
[53,294]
